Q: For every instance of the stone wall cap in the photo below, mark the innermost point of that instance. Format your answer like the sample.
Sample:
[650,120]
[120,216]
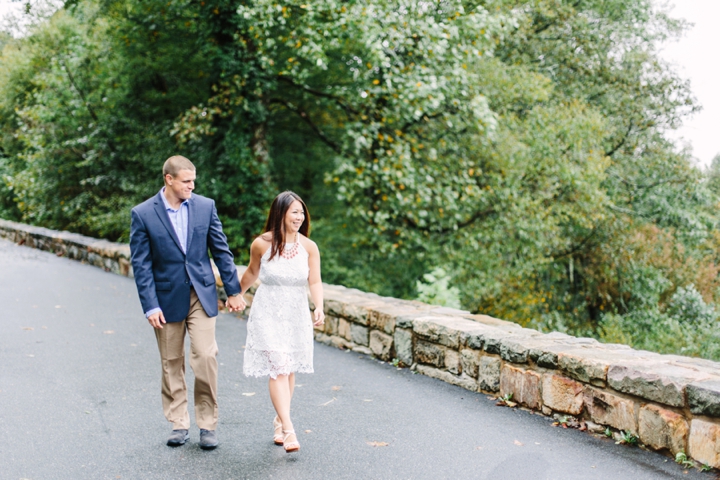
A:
[488,320]
[457,323]
[448,311]
[661,382]
[704,397]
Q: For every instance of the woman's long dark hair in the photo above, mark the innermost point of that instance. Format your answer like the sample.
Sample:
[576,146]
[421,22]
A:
[276,220]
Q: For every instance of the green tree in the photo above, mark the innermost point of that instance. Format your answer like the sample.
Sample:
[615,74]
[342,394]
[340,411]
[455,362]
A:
[85,118]
[518,144]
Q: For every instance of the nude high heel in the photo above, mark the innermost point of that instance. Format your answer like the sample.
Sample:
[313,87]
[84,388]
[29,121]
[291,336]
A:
[290,446]
[278,436]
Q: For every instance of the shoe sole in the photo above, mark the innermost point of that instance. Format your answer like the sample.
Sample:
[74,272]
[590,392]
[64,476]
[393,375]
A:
[178,444]
[209,447]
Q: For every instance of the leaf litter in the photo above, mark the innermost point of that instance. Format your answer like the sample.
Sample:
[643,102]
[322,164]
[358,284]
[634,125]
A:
[378,444]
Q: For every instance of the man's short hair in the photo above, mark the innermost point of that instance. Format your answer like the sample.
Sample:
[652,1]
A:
[174,164]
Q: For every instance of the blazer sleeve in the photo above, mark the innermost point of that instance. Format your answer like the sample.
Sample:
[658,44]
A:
[141,259]
[223,257]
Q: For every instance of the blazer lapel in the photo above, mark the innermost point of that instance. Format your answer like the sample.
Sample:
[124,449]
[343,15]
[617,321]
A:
[162,214]
[191,217]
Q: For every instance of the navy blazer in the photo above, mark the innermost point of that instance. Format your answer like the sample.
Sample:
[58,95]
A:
[163,273]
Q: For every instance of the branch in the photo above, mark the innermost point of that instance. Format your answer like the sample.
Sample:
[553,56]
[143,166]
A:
[418,120]
[318,93]
[577,248]
[627,211]
[334,146]
[638,186]
[472,219]
[622,142]
[80,92]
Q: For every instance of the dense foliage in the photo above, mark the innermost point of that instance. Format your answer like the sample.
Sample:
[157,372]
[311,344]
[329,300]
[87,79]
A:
[508,156]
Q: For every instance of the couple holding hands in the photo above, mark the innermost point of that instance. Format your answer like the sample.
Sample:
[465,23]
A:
[170,236]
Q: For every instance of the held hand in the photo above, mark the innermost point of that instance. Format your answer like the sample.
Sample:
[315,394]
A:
[318,317]
[236,303]
[157,319]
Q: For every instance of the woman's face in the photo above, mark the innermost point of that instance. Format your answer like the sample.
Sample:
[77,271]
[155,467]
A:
[294,218]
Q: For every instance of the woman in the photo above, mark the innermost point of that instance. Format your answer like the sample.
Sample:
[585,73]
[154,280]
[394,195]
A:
[280,328]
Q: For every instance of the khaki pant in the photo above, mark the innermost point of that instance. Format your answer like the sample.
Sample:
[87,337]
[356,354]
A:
[203,361]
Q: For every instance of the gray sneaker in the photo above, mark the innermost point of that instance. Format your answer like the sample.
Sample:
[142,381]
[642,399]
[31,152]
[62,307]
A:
[178,437]
[208,439]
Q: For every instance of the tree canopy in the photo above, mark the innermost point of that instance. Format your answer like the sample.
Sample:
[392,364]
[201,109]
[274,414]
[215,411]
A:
[509,156]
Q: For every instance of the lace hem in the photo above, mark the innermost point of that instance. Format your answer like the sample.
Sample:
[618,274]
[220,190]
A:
[263,363]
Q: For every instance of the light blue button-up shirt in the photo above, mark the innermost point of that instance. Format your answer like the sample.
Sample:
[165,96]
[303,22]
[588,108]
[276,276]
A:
[179,220]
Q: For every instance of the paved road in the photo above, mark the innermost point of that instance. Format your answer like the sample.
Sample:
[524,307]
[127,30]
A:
[79,399]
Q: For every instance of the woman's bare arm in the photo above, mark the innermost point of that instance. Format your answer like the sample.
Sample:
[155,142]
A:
[315,280]
[257,250]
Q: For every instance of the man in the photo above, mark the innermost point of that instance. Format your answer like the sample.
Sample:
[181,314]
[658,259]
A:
[170,234]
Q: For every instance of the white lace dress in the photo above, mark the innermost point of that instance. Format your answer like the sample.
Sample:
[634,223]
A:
[279,331]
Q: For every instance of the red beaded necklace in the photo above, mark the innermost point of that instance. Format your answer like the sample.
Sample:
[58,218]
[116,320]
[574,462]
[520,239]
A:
[292,251]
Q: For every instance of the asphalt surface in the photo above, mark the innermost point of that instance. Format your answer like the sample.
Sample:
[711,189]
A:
[80,399]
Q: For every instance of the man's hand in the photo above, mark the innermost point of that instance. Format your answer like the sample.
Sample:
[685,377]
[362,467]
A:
[318,317]
[236,303]
[157,319]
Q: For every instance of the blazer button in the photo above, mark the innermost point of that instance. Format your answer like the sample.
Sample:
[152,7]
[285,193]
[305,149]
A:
[186,281]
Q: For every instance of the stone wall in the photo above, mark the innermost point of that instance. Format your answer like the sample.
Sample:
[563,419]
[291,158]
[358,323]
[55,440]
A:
[110,256]
[670,402]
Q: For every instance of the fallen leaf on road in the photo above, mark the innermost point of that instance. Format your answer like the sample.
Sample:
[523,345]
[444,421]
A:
[298,385]
[109,332]
[28,328]
[87,411]
[378,444]
[58,306]
[336,388]
[537,443]
[308,431]
[478,448]
[249,394]
[366,400]
[518,443]
[30,355]
[328,402]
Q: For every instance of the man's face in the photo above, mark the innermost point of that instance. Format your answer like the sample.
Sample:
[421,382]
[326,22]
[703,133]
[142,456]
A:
[181,185]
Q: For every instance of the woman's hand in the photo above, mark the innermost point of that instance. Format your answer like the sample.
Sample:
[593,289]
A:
[318,317]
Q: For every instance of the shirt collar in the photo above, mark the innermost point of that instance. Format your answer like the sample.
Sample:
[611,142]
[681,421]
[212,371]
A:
[167,204]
